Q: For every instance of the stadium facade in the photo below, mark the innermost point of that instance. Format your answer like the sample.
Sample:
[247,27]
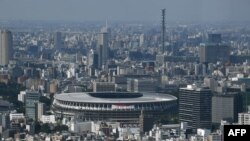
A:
[124,107]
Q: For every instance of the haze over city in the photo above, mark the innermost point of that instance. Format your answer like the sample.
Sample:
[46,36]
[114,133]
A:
[125,10]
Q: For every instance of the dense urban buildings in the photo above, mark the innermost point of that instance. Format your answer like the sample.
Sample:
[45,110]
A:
[127,80]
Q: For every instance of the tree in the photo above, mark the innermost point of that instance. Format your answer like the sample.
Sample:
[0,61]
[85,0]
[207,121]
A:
[37,127]
[10,91]
[20,107]
[45,100]
[46,128]
[60,128]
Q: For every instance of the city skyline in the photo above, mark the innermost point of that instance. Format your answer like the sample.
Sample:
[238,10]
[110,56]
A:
[157,70]
[140,10]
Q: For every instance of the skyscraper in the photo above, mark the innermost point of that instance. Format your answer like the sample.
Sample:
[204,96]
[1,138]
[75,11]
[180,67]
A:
[102,48]
[214,38]
[58,41]
[195,106]
[5,47]
[226,107]
[32,98]
[106,29]
[141,40]
[92,59]
[214,51]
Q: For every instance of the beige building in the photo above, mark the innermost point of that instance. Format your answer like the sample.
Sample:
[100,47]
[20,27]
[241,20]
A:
[53,87]
[5,47]
[40,108]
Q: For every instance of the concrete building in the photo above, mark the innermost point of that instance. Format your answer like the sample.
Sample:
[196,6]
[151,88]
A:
[21,96]
[48,119]
[141,85]
[130,85]
[195,106]
[214,137]
[5,106]
[4,120]
[92,59]
[211,83]
[104,86]
[212,53]
[53,87]
[226,107]
[5,47]
[244,118]
[40,108]
[141,40]
[16,116]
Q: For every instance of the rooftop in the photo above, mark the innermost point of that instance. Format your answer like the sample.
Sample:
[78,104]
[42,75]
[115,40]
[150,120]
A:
[114,97]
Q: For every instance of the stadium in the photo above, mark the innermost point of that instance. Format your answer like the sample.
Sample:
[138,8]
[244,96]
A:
[124,107]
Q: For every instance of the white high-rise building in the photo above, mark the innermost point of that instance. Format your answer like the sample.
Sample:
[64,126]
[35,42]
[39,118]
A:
[5,47]
[48,119]
[141,40]
[92,59]
[244,118]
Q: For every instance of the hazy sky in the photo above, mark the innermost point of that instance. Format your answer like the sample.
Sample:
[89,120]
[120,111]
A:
[125,10]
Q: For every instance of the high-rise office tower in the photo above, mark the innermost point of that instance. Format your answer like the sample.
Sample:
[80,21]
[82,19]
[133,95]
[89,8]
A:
[102,48]
[92,59]
[163,30]
[92,62]
[214,38]
[31,99]
[141,40]
[214,51]
[195,106]
[106,29]
[5,47]
[58,41]
[226,107]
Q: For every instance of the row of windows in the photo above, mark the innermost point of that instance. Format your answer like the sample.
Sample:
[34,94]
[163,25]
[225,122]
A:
[159,104]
